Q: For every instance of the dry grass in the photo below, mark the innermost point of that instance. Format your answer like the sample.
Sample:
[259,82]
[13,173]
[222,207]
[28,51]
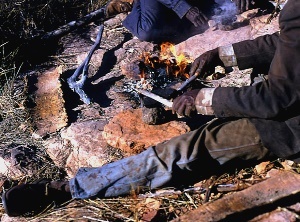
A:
[27,18]
[21,21]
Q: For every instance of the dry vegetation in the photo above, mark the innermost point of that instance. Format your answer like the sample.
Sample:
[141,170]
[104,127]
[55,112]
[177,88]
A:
[20,22]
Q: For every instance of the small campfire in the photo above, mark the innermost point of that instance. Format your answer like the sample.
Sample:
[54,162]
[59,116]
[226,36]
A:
[162,76]
[164,68]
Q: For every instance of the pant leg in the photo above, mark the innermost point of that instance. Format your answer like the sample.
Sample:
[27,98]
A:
[150,20]
[180,161]
[238,139]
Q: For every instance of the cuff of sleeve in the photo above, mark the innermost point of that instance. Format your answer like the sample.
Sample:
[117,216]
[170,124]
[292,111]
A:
[227,55]
[181,8]
[204,97]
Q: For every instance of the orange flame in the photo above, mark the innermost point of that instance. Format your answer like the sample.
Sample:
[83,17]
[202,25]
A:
[175,64]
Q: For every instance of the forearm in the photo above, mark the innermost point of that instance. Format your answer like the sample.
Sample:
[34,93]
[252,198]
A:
[275,98]
[261,101]
[257,52]
[250,53]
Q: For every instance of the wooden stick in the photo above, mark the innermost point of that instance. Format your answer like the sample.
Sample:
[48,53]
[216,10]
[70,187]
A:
[188,81]
[65,29]
[157,98]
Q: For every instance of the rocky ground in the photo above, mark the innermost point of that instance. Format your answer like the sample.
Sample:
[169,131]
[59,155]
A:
[112,126]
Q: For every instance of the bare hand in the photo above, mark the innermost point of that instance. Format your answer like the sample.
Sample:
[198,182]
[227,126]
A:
[242,5]
[184,105]
[115,7]
[205,64]
[196,17]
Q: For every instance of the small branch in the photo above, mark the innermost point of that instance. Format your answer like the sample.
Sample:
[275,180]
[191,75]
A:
[168,192]
[77,86]
[187,82]
[157,98]
[63,30]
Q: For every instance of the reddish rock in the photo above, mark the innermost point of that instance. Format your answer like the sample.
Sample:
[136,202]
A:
[88,146]
[58,150]
[212,38]
[49,114]
[128,132]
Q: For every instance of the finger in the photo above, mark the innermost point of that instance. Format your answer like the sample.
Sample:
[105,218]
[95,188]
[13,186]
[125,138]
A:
[194,67]
[242,9]
[200,21]
[177,103]
[188,110]
[247,4]
[204,17]
[200,67]
[181,109]
[238,5]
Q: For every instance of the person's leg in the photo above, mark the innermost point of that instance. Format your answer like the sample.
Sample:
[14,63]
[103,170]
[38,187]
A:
[150,21]
[180,161]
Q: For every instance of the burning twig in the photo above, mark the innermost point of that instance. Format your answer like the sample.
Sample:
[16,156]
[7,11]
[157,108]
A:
[157,98]
[83,69]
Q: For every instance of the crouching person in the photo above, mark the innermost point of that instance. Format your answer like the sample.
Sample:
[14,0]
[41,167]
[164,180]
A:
[168,20]
[254,122]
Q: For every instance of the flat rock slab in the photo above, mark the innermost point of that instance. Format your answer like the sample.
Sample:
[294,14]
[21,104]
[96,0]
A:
[79,145]
[49,114]
[129,133]
[282,186]
[211,38]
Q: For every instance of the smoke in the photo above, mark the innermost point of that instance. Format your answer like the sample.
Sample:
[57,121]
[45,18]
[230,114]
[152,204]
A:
[225,12]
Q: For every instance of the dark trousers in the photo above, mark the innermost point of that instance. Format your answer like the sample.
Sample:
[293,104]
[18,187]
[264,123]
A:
[150,20]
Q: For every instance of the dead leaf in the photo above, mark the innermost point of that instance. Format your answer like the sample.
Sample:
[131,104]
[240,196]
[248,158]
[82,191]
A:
[262,167]
[287,164]
[148,209]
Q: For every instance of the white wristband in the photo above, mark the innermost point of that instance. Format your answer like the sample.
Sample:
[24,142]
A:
[226,54]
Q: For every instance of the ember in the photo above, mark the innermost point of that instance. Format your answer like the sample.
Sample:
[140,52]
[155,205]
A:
[165,67]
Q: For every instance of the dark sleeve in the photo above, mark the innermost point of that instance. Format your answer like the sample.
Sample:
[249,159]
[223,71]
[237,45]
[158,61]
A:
[257,52]
[278,96]
[180,7]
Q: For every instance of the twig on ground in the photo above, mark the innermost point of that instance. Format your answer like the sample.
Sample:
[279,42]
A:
[65,29]
[77,86]
[168,192]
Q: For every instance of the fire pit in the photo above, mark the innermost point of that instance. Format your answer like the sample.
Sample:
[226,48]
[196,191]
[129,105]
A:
[162,76]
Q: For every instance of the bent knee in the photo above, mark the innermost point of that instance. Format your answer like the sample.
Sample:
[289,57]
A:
[145,35]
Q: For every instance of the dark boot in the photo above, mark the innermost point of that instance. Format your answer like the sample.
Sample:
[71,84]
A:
[32,199]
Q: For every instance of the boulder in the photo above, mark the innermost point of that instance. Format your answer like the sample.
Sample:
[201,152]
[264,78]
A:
[128,132]
[88,146]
